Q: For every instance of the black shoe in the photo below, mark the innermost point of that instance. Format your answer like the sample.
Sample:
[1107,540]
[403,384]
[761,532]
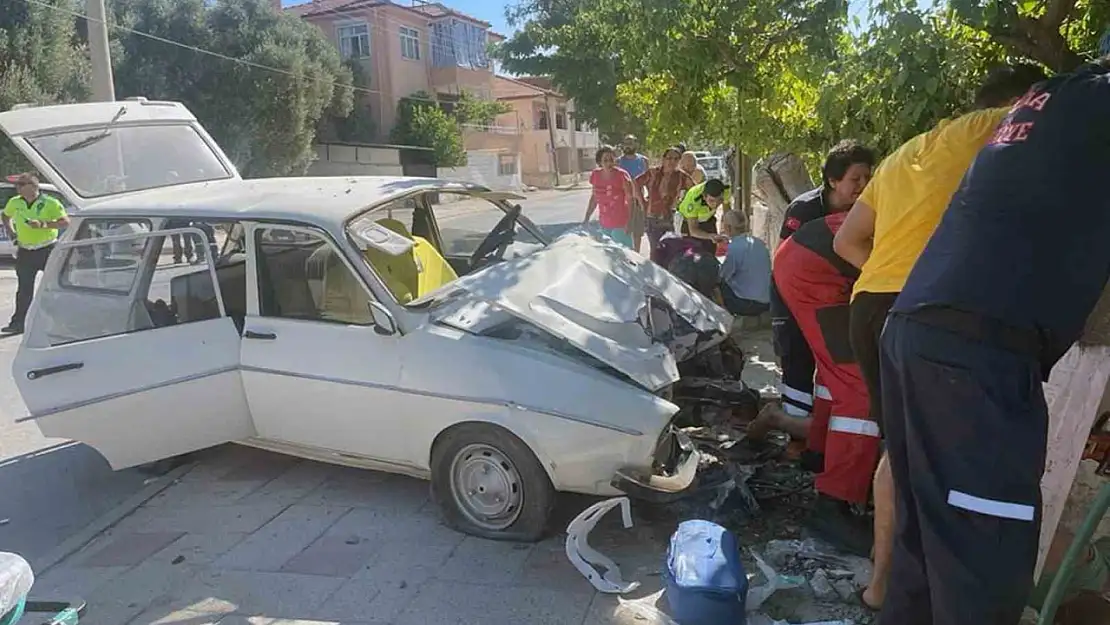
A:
[177,260]
[12,328]
[834,522]
[811,461]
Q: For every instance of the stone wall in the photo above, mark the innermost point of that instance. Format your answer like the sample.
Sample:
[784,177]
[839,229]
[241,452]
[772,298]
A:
[335,159]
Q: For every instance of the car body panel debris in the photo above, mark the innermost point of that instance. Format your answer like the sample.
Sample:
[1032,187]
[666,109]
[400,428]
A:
[589,561]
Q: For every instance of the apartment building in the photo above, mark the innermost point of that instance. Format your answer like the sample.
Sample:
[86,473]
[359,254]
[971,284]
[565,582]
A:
[406,47]
[546,128]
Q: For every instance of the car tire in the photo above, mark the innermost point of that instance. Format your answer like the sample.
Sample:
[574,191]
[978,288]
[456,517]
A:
[489,483]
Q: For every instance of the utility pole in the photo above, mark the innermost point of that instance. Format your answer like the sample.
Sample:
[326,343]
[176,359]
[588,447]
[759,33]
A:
[551,133]
[103,89]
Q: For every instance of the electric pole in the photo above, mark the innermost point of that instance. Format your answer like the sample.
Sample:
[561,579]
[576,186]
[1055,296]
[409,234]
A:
[103,89]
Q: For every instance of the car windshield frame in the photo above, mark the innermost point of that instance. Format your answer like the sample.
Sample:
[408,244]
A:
[52,146]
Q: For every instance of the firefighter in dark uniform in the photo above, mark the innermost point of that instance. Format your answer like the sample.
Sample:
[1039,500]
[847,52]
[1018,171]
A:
[846,171]
[1000,292]
[816,286]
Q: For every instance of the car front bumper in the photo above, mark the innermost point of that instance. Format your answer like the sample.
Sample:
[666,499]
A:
[660,487]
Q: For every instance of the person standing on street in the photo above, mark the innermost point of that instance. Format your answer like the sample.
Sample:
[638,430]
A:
[33,218]
[1002,289]
[635,164]
[612,197]
[845,173]
[884,234]
[665,186]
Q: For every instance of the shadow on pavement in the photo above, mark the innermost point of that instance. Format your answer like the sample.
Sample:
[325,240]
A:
[52,493]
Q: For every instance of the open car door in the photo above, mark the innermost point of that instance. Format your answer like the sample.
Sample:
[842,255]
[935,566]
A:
[132,354]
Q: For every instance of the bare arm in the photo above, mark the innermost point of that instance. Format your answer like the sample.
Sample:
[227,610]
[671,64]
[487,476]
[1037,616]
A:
[590,206]
[696,231]
[854,239]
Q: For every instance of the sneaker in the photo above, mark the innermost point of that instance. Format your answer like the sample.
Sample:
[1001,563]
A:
[11,328]
[834,522]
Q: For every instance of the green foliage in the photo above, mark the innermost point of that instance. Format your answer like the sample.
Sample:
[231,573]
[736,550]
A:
[473,111]
[360,125]
[907,72]
[1056,33]
[264,120]
[421,122]
[40,63]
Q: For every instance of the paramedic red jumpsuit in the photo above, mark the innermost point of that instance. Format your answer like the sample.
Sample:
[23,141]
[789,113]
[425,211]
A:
[816,285]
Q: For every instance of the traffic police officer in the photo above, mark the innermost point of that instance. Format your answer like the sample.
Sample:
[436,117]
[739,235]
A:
[35,218]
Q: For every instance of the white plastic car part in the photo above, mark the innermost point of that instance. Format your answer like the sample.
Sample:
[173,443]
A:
[586,559]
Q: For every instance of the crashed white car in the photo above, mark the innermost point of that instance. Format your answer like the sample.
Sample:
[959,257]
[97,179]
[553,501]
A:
[408,325]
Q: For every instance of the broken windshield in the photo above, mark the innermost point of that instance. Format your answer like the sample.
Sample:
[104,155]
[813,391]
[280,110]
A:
[129,158]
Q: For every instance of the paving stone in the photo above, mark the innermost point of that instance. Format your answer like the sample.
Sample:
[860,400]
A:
[293,484]
[480,561]
[269,548]
[265,593]
[131,548]
[386,586]
[417,528]
[385,494]
[70,580]
[614,610]
[200,548]
[334,556]
[547,566]
[456,603]
[201,519]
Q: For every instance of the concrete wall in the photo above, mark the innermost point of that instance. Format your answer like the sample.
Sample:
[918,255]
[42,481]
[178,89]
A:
[350,160]
[483,167]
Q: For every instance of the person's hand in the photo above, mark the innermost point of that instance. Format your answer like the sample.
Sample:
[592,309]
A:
[35,223]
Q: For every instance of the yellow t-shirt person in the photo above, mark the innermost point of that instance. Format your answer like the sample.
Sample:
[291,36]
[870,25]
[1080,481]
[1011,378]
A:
[911,190]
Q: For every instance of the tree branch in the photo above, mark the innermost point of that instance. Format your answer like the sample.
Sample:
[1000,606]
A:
[1057,12]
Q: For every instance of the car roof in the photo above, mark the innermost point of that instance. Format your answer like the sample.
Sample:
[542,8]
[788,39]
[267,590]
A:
[325,202]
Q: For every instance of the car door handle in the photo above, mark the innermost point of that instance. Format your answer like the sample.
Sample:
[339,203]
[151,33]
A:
[264,336]
[35,374]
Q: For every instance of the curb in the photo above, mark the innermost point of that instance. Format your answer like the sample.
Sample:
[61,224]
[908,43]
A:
[74,543]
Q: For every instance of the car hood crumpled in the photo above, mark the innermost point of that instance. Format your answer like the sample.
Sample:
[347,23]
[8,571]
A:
[605,300]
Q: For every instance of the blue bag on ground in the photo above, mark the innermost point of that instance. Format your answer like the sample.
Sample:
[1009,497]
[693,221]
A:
[706,582]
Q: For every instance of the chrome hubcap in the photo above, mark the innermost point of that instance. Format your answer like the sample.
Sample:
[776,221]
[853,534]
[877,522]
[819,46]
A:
[486,486]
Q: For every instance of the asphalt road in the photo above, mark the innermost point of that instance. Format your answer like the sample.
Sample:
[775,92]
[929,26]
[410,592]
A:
[52,488]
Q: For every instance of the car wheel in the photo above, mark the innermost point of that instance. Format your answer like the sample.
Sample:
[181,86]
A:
[488,483]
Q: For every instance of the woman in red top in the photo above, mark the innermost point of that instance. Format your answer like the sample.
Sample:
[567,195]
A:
[612,197]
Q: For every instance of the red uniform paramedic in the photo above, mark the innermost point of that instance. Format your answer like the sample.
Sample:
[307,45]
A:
[816,285]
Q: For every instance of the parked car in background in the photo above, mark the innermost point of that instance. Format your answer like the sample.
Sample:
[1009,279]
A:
[7,191]
[361,321]
[714,167]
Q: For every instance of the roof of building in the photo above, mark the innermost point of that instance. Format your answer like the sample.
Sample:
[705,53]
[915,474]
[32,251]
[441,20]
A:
[432,10]
[326,202]
[506,88]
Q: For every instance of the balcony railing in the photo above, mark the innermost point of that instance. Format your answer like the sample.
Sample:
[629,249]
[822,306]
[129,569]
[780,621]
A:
[497,130]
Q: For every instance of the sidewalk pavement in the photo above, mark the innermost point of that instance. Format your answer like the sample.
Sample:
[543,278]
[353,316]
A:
[249,537]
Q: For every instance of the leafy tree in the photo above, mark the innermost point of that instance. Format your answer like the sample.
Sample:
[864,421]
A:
[908,71]
[359,126]
[582,56]
[421,122]
[41,62]
[474,111]
[264,120]
[725,70]
[1057,33]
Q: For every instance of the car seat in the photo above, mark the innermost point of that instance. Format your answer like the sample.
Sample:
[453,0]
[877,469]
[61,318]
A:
[412,275]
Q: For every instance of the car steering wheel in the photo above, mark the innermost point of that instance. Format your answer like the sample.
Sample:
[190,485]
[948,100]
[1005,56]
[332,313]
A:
[498,240]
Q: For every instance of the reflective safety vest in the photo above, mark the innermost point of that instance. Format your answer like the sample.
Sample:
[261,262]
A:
[693,204]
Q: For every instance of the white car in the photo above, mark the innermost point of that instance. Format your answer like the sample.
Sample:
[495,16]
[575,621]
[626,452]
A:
[714,167]
[334,325]
[7,191]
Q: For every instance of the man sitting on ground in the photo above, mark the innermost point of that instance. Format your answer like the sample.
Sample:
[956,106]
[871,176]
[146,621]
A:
[746,270]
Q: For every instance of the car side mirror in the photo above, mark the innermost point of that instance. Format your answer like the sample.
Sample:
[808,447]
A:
[383,320]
